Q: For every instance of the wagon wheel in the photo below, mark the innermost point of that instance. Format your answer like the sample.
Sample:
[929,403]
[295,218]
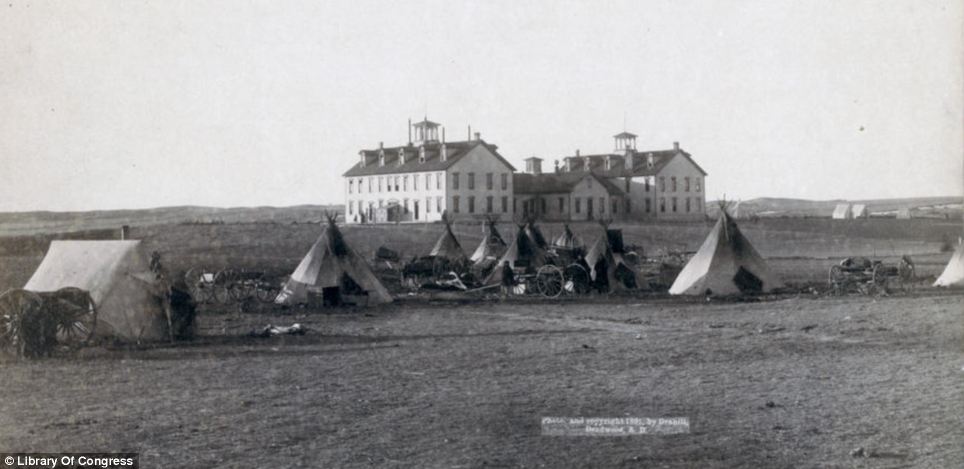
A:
[879,274]
[194,279]
[550,281]
[76,316]
[14,305]
[238,291]
[265,292]
[578,280]
[836,278]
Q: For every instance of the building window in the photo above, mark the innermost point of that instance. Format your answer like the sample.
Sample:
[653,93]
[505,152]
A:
[615,208]
[455,181]
[578,205]
[438,205]
[515,204]
[369,183]
[488,181]
[687,205]
[505,181]
[471,203]
[627,185]
[351,186]
[673,183]
[698,184]
[405,206]
[404,183]
[662,204]
[438,181]
[396,183]
[542,203]
[505,204]
[686,184]
[562,204]
[471,181]
[647,184]
[649,206]
[662,184]
[455,204]
[602,205]
[380,183]
[428,205]
[488,204]
[351,207]
[674,204]
[428,181]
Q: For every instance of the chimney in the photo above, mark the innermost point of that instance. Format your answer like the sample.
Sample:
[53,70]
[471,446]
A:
[381,145]
[577,152]
[443,134]
[478,136]
[125,232]
[676,146]
[586,163]
[628,161]
[444,152]
[409,130]
[364,159]
[569,163]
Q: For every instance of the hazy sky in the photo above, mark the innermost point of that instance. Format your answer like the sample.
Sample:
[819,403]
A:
[127,104]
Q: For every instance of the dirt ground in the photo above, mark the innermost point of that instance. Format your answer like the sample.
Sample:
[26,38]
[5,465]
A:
[431,385]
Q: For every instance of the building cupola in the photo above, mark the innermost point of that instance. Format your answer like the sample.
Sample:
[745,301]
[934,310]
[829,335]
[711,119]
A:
[534,165]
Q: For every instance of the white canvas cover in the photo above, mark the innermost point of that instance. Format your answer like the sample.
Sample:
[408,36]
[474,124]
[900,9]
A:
[118,278]
[492,245]
[859,211]
[953,275]
[327,263]
[447,246]
[567,239]
[841,212]
[724,262]
[613,261]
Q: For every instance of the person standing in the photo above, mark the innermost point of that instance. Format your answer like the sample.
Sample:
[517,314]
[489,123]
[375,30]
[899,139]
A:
[508,279]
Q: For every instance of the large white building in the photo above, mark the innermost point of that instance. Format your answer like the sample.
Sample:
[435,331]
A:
[469,179]
[428,176]
[626,184]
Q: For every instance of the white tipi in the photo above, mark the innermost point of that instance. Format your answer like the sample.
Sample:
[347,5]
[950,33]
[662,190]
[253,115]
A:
[725,264]
[333,268]
[953,275]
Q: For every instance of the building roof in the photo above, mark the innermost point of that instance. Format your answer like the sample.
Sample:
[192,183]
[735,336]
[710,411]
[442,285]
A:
[433,161]
[557,183]
[640,166]
[625,135]
[426,123]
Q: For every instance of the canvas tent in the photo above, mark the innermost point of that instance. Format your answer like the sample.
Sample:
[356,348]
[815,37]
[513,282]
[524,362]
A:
[859,211]
[568,239]
[333,269]
[725,264]
[620,273]
[903,213]
[953,275]
[842,212]
[523,252]
[117,275]
[492,245]
[447,246]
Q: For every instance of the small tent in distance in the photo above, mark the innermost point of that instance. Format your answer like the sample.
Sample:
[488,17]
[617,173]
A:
[117,275]
[620,273]
[447,246]
[725,264]
[859,211]
[953,275]
[842,212]
[492,245]
[523,253]
[333,269]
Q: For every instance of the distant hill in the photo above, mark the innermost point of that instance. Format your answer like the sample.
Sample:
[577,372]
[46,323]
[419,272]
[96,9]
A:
[30,223]
[777,207]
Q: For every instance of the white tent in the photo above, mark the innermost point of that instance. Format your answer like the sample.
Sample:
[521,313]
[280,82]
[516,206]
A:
[859,211]
[448,246]
[119,280]
[953,275]
[492,245]
[332,266]
[725,264]
[903,214]
[842,212]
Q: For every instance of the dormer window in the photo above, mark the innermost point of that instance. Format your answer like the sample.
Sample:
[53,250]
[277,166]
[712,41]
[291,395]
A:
[364,159]
[421,154]
[401,157]
[381,158]
[649,161]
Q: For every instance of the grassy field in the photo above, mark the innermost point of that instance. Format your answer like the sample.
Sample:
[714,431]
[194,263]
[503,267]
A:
[797,380]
